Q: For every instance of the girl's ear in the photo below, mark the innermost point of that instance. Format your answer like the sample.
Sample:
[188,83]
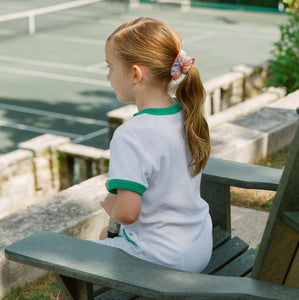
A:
[138,73]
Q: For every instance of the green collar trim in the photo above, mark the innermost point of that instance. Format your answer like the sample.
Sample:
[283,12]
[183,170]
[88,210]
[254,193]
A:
[171,110]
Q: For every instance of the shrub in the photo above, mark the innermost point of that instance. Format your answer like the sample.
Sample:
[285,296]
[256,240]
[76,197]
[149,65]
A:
[284,67]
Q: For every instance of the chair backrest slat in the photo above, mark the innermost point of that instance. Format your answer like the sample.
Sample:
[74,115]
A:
[280,243]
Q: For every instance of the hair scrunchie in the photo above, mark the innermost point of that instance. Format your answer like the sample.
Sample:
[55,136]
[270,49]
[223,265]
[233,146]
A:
[181,65]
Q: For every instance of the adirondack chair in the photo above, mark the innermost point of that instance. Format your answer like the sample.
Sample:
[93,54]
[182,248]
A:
[90,271]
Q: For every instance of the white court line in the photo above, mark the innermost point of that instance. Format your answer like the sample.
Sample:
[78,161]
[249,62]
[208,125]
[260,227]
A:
[37,129]
[93,68]
[46,10]
[90,135]
[54,76]
[225,27]
[71,39]
[54,65]
[248,33]
[52,114]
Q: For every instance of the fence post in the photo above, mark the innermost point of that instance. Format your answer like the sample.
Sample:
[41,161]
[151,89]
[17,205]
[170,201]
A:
[31,23]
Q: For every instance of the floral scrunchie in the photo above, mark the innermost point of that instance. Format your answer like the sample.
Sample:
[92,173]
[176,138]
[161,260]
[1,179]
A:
[181,65]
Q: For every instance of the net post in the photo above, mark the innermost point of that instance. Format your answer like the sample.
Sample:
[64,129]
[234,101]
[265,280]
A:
[31,22]
[134,3]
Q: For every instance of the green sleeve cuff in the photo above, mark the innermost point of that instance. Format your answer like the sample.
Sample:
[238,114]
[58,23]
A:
[115,184]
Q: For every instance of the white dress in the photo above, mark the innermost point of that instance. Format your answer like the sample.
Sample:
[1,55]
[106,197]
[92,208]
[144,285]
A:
[149,155]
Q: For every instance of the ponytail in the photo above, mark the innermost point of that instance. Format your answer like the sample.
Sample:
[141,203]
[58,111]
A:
[191,94]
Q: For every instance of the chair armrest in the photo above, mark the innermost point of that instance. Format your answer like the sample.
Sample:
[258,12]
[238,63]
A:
[220,174]
[116,269]
[241,175]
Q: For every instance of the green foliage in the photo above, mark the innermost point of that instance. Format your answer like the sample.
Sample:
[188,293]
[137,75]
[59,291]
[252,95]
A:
[58,157]
[45,288]
[276,159]
[285,63]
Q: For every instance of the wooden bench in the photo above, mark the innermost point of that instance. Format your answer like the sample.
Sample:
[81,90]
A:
[87,270]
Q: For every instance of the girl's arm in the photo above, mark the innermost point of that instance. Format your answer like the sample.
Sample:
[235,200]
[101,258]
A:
[124,208]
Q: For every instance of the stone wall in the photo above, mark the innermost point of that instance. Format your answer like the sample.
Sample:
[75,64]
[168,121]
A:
[243,82]
[42,167]
[75,211]
[17,181]
[29,173]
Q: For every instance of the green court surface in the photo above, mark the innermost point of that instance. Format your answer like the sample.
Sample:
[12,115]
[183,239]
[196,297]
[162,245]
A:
[55,80]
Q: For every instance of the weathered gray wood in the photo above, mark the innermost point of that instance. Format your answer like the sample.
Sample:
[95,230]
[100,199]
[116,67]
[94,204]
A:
[220,174]
[280,252]
[225,253]
[219,236]
[240,266]
[291,219]
[114,294]
[279,242]
[293,274]
[98,290]
[242,175]
[114,268]
[74,289]
[218,197]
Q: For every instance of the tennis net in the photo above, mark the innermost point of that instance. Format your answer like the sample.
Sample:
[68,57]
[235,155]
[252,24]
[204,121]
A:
[30,16]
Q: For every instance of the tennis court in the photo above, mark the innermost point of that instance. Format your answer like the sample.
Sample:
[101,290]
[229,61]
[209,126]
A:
[54,81]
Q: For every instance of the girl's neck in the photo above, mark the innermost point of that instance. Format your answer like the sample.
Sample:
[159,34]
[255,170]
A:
[153,98]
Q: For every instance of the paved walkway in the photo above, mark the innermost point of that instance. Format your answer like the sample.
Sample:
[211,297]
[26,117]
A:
[248,224]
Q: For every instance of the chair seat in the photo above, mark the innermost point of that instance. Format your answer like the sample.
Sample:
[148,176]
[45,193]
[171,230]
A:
[229,258]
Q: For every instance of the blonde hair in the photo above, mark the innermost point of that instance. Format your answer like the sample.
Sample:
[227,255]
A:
[152,43]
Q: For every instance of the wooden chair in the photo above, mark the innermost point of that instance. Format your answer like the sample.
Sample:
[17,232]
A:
[87,270]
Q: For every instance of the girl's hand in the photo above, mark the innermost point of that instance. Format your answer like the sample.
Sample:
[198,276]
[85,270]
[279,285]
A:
[109,203]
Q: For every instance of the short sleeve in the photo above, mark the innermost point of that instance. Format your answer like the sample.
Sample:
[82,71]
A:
[130,162]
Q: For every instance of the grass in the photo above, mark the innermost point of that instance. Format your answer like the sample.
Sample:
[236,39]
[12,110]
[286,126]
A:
[47,288]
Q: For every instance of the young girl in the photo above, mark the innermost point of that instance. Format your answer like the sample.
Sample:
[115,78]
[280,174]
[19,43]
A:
[157,157]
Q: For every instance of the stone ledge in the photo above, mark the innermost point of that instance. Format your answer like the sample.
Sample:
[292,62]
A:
[246,107]
[76,212]
[43,143]
[14,163]
[257,134]
[78,150]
